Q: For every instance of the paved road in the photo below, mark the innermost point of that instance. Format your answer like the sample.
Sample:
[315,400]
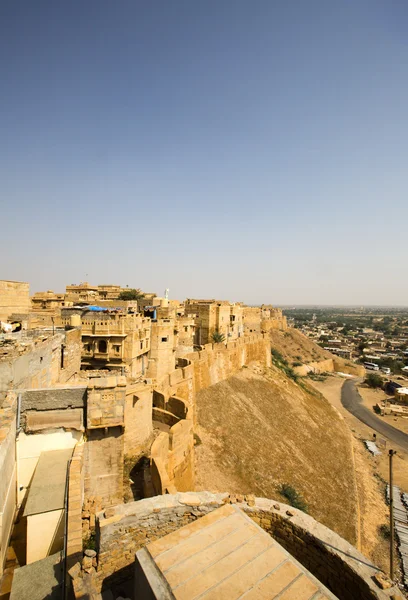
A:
[352,401]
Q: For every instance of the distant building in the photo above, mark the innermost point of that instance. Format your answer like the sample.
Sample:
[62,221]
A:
[114,340]
[47,300]
[84,292]
[210,316]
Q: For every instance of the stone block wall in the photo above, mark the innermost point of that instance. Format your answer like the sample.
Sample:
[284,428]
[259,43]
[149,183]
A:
[106,402]
[126,528]
[103,460]
[138,431]
[331,365]
[52,408]
[71,354]
[14,298]
[172,459]
[8,470]
[37,367]
[164,416]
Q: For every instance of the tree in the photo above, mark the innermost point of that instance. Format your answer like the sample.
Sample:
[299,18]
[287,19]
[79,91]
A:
[131,294]
[217,337]
[374,380]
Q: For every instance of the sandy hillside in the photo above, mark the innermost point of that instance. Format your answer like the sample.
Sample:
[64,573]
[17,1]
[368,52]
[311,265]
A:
[259,429]
[294,346]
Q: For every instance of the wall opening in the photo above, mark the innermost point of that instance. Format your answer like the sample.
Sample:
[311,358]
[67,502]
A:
[138,483]
[102,346]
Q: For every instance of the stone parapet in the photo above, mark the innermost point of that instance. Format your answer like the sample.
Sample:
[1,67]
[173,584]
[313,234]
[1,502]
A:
[124,529]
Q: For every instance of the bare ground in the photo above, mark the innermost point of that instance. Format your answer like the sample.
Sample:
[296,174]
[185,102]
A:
[259,430]
[295,346]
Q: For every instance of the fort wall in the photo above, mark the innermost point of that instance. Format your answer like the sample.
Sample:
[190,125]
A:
[138,432]
[212,364]
[172,454]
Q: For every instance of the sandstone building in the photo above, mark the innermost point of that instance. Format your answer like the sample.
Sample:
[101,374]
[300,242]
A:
[113,339]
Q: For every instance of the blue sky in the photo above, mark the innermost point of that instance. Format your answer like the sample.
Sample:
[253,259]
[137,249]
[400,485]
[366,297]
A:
[253,151]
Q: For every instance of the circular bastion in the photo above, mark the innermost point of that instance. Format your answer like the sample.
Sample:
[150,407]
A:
[125,528]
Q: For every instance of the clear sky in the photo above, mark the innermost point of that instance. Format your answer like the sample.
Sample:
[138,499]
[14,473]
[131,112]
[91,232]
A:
[249,150]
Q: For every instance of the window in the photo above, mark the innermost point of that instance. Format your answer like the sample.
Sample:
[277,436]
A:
[164,339]
[117,349]
[141,345]
[186,329]
[102,346]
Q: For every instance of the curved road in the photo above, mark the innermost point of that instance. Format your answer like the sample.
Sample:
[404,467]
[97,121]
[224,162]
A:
[352,401]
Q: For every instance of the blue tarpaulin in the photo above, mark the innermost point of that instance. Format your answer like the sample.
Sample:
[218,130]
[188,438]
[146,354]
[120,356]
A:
[96,308]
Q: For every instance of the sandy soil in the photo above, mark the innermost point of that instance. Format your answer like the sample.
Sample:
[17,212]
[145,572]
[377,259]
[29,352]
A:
[260,430]
[294,346]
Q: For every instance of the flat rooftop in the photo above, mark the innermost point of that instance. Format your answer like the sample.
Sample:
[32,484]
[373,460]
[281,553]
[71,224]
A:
[39,580]
[47,490]
[224,556]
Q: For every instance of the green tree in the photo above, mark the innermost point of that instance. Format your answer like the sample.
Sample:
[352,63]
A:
[217,337]
[131,294]
[374,380]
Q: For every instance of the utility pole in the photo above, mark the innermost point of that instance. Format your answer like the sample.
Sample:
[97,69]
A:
[391,454]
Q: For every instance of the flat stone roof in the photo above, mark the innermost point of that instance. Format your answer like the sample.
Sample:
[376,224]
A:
[38,580]
[225,556]
[47,490]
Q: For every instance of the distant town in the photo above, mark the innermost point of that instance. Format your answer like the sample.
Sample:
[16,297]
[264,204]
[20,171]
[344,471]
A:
[375,337]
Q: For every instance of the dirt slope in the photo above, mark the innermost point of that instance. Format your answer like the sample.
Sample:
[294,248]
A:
[294,346]
[259,429]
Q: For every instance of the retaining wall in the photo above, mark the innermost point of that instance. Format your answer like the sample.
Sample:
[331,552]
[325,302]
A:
[331,365]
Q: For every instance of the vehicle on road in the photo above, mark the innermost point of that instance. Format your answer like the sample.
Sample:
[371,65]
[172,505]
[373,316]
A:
[386,370]
[371,366]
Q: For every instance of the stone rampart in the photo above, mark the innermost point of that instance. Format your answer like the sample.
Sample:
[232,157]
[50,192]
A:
[164,416]
[172,459]
[138,431]
[124,529]
[212,364]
